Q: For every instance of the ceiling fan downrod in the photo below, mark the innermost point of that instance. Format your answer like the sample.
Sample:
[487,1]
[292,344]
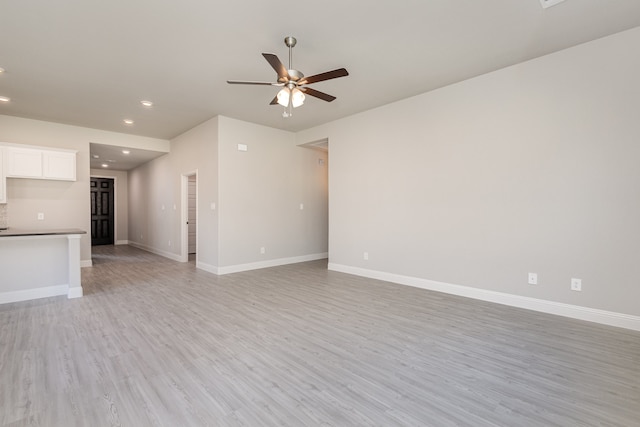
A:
[290,42]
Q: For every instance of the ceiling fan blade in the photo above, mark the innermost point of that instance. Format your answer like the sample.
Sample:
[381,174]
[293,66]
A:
[283,74]
[274,101]
[340,72]
[245,82]
[318,94]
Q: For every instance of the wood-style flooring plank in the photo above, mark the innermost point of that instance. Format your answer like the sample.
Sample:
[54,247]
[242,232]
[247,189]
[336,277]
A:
[159,343]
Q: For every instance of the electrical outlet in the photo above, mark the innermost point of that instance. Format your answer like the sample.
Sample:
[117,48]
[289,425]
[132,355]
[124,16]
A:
[365,256]
[576,284]
[40,216]
[262,250]
[533,279]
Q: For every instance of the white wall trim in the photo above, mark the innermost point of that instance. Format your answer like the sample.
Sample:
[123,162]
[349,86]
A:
[86,263]
[36,293]
[234,268]
[75,292]
[207,267]
[122,242]
[165,254]
[270,263]
[551,307]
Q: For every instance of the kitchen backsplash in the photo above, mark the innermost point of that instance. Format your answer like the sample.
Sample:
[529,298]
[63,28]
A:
[3,215]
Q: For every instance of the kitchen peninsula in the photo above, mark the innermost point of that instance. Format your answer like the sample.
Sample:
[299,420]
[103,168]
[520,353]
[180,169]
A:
[39,263]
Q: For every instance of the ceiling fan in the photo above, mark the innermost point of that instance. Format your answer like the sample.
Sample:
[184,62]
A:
[293,82]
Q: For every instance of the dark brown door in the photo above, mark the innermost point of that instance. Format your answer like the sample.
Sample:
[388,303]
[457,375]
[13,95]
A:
[101,211]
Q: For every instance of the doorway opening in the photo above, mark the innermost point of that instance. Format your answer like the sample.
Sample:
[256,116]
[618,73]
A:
[102,211]
[321,146]
[189,250]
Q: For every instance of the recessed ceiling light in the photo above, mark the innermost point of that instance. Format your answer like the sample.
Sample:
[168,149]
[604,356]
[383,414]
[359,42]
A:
[147,104]
[104,165]
[95,156]
[4,99]
[128,121]
[2,70]
[126,151]
[111,161]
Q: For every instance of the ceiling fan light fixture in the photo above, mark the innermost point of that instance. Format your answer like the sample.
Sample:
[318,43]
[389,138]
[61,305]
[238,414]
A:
[297,98]
[283,97]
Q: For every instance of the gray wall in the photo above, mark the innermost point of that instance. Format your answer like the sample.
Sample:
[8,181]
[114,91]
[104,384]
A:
[533,168]
[257,195]
[155,195]
[261,190]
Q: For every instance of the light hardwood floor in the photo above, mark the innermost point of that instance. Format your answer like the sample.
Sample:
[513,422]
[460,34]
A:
[158,343]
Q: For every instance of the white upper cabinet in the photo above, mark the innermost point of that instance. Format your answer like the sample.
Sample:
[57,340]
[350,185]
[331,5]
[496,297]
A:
[40,163]
[24,163]
[59,165]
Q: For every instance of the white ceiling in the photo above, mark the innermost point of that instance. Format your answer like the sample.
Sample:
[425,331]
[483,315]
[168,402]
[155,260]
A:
[91,62]
[119,158]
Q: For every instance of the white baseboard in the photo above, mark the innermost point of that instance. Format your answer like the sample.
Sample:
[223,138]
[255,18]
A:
[75,292]
[270,263]
[29,294]
[207,267]
[86,263]
[121,242]
[234,268]
[165,254]
[551,307]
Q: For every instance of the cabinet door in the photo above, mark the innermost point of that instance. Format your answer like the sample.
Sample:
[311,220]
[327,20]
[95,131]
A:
[24,163]
[59,165]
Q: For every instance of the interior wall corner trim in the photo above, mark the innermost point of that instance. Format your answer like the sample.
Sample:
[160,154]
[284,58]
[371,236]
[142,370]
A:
[165,254]
[207,267]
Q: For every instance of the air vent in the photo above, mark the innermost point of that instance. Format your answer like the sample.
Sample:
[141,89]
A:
[548,3]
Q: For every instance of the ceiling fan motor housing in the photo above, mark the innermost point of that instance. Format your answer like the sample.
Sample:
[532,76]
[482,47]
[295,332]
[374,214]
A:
[295,75]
